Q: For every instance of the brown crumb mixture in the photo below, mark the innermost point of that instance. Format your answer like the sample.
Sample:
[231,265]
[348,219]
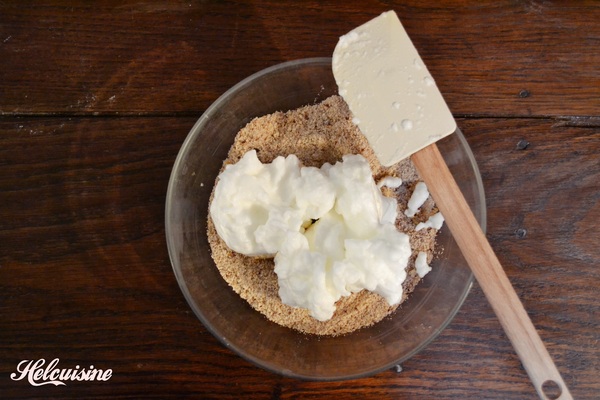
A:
[317,134]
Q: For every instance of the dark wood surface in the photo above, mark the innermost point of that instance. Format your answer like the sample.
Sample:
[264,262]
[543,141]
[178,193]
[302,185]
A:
[96,100]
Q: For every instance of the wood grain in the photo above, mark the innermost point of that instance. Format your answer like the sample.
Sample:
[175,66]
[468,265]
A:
[97,98]
[492,58]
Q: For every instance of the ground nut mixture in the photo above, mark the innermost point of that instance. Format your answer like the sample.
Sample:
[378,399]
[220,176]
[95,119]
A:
[317,134]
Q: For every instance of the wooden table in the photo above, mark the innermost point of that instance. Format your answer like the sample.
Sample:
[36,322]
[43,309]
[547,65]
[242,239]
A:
[96,100]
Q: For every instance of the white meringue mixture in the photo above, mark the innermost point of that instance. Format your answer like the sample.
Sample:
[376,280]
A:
[330,229]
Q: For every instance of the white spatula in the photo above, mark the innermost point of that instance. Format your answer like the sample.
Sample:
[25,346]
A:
[400,110]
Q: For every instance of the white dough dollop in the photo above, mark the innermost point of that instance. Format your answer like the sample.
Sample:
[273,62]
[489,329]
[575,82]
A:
[256,205]
[421,264]
[435,221]
[269,209]
[418,197]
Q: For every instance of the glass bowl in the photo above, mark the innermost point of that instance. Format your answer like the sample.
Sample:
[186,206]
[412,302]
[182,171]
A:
[228,317]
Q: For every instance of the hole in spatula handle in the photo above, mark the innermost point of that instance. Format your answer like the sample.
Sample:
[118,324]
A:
[551,390]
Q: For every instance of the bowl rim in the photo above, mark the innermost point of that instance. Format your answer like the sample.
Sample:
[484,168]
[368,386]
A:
[194,132]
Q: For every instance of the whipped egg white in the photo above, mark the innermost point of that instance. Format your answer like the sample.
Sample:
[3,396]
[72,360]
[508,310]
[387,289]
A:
[330,229]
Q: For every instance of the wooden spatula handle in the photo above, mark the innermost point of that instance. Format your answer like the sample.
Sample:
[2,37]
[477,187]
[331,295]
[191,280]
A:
[488,272]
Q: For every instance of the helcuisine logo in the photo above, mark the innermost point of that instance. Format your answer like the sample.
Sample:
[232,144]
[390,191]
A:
[38,375]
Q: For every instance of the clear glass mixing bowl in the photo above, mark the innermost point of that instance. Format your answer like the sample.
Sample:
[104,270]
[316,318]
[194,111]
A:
[420,319]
